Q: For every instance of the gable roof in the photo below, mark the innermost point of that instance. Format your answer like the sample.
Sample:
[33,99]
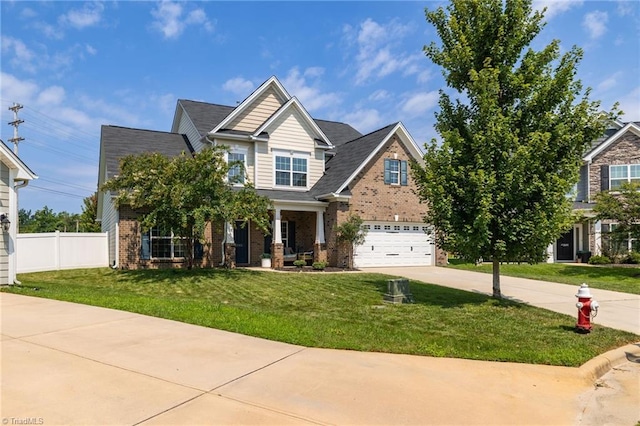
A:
[353,156]
[118,142]
[294,103]
[12,161]
[612,137]
[205,116]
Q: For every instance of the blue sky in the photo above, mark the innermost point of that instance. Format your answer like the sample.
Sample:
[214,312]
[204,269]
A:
[78,65]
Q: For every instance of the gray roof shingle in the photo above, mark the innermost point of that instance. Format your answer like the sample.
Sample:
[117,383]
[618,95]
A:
[205,116]
[118,142]
[348,157]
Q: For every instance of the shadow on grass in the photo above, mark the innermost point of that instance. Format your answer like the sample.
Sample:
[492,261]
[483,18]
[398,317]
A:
[155,276]
[445,297]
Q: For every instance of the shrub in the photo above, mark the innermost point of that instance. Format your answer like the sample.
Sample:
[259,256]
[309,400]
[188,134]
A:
[632,258]
[299,263]
[266,255]
[599,260]
[319,265]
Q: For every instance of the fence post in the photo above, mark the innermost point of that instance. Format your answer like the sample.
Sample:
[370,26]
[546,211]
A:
[57,250]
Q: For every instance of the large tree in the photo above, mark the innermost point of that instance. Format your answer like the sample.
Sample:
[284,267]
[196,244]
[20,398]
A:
[512,139]
[89,214]
[184,193]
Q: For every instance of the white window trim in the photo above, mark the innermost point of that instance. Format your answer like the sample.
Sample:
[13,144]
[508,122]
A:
[238,150]
[394,173]
[628,178]
[291,154]
[172,238]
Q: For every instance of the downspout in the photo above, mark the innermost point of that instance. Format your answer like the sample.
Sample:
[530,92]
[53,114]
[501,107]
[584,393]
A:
[117,240]
[24,182]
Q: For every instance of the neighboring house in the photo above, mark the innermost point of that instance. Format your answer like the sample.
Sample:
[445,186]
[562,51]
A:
[315,172]
[14,174]
[610,161]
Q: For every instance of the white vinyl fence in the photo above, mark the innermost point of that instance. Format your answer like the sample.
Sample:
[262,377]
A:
[61,250]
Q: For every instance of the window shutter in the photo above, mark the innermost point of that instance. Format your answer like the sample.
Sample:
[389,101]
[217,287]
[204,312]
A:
[292,235]
[605,229]
[145,249]
[604,178]
[403,173]
[387,174]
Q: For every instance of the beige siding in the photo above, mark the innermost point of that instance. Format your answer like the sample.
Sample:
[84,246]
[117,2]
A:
[257,113]
[108,224]
[4,208]
[290,132]
[187,127]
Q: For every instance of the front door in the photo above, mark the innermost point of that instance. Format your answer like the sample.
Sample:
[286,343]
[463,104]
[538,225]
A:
[565,246]
[241,237]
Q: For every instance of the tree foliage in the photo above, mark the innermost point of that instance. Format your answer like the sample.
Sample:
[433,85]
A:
[185,193]
[621,207]
[353,233]
[89,214]
[513,138]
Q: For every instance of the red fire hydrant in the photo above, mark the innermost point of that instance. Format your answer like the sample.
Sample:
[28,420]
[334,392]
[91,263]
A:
[587,309]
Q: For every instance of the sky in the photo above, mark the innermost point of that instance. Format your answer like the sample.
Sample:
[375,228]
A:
[75,66]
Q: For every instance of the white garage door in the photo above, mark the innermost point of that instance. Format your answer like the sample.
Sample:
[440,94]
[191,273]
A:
[394,244]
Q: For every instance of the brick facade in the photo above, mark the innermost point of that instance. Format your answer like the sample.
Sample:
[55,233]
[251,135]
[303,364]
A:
[626,150]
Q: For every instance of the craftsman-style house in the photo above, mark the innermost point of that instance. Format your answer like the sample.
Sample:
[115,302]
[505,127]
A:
[315,172]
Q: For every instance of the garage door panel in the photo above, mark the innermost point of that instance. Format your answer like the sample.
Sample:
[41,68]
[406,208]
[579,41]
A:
[409,246]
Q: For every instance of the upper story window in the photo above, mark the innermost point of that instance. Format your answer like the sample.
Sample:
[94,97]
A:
[395,172]
[623,173]
[236,171]
[291,170]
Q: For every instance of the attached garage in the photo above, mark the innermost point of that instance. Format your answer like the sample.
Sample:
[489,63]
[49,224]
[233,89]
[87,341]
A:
[395,244]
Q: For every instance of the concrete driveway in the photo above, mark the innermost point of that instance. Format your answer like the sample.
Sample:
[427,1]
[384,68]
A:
[65,363]
[617,310]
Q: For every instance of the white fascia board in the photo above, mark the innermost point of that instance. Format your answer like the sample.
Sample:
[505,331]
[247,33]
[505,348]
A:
[632,127]
[294,103]
[249,100]
[305,206]
[406,140]
[332,196]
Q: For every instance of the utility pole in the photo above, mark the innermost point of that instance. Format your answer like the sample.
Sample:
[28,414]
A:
[15,123]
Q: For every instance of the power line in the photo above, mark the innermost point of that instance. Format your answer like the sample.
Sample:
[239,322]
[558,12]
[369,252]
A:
[56,192]
[70,185]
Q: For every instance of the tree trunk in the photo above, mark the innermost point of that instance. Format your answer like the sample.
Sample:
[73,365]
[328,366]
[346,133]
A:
[496,279]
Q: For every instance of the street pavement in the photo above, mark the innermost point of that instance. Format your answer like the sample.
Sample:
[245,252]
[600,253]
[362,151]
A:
[65,364]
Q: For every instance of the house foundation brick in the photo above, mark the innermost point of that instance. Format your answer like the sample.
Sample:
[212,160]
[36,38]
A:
[277,255]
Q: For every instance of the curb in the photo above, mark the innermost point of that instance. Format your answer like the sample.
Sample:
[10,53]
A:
[595,368]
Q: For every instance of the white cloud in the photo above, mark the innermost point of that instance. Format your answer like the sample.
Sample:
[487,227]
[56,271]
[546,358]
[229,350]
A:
[609,82]
[23,56]
[311,97]
[238,86]
[377,46]
[90,49]
[595,23]
[625,7]
[169,19]
[51,96]
[419,103]
[555,7]
[630,104]
[88,16]
[379,95]
[364,120]
[28,13]
[16,90]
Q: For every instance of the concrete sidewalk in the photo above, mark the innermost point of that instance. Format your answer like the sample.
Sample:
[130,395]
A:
[65,363]
[617,310]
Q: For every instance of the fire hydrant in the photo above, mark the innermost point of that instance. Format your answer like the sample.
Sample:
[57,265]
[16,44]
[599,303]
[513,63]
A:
[587,309]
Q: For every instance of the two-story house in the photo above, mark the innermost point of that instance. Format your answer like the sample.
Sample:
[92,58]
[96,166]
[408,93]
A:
[611,160]
[315,172]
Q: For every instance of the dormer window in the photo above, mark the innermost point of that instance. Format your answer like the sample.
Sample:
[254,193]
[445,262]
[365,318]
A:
[291,170]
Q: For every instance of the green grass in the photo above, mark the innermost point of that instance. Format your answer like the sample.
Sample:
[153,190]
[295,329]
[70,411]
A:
[615,278]
[339,310]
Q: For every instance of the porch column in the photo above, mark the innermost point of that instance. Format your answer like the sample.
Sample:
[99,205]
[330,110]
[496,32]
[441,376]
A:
[319,246]
[597,249]
[277,249]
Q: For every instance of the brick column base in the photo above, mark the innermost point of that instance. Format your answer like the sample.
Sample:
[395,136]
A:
[277,255]
[230,255]
[319,252]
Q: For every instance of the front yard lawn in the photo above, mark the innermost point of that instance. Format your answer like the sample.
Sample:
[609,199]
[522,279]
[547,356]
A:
[614,278]
[341,310]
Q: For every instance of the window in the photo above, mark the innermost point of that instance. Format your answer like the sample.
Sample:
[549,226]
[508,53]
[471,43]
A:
[618,243]
[406,228]
[291,171]
[395,172]
[160,244]
[376,227]
[396,228]
[387,227]
[284,229]
[236,171]
[623,173]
